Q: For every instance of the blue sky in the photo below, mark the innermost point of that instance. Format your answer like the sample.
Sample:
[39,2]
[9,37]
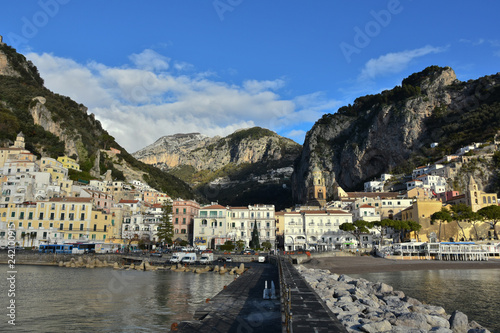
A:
[154,68]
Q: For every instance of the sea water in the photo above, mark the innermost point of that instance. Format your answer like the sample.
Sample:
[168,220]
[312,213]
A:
[60,299]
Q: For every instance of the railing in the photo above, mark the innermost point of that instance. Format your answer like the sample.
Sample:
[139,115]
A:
[286,298]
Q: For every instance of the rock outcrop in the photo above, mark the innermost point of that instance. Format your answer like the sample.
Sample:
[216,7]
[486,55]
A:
[206,153]
[382,132]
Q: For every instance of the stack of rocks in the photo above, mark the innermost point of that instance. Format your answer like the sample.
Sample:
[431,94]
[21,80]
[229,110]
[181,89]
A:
[363,306]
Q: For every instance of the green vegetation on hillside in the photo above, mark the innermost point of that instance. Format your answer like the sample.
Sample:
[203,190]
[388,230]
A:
[16,99]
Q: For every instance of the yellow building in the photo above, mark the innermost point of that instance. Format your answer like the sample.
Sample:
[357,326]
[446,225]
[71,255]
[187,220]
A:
[59,220]
[316,191]
[421,212]
[478,199]
[69,163]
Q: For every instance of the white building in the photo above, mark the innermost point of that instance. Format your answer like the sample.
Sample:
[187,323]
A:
[308,229]
[216,224]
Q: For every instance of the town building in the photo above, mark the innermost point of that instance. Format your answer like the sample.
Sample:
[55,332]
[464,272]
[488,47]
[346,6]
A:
[183,214]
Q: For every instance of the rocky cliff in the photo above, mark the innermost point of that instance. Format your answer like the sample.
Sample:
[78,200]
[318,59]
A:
[252,145]
[249,166]
[392,131]
[54,125]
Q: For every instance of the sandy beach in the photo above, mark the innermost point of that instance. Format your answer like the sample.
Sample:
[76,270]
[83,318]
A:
[368,264]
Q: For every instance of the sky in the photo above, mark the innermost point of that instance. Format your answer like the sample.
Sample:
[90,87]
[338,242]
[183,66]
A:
[154,68]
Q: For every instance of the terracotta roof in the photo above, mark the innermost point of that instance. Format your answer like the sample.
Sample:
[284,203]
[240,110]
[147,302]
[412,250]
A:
[214,207]
[366,206]
[372,194]
[128,201]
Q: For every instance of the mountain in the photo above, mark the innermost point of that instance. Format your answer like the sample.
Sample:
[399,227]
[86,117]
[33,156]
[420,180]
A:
[391,132]
[55,125]
[250,166]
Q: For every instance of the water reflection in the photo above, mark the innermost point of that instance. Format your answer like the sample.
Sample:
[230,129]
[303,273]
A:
[57,299]
[473,292]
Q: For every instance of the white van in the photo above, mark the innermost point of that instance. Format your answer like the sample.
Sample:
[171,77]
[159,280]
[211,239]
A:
[206,258]
[188,258]
[176,257]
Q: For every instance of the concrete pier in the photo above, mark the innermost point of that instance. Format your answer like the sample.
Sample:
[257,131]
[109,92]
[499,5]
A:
[308,312]
[240,307]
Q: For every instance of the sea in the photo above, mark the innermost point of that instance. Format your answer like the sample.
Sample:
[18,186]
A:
[475,292]
[60,299]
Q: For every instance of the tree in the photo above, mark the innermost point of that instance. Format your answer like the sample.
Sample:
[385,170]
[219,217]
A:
[228,246]
[443,215]
[357,228]
[414,227]
[240,244]
[23,234]
[492,214]
[255,242]
[267,245]
[462,212]
[166,228]
[382,226]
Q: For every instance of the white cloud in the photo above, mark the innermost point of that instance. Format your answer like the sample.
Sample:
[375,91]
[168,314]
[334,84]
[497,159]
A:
[137,103]
[392,63]
[150,60]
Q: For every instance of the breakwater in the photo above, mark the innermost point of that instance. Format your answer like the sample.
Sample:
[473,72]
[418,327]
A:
[363,306]
[28,257]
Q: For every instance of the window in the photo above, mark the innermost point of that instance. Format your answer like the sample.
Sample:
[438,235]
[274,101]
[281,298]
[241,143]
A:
[176,220]
[82,216]
[40,225]
[242,224]
[20,224]
[21,215]
[184,211]
[41,216]
[184,220]
[93,236]
[62,216]
[51,216]
[70,236]
[51,225]
[71,216]
[95,227]
[53,206]
[105,227]
[13,214]
[81,226]
[61,226]
[71,226]
[72,207]
[183,231]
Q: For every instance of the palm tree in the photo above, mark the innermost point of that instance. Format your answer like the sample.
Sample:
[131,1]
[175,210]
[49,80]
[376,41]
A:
[23,234]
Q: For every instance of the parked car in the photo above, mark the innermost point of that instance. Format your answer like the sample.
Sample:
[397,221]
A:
[229,259]
[155,254]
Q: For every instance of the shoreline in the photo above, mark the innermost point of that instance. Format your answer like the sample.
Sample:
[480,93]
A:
[369,264]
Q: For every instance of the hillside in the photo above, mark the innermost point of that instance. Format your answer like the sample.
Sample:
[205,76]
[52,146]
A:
[55,125]
[249,166]
[391,132]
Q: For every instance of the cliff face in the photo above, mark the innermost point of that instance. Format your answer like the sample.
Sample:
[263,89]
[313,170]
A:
[204,153]
[250,166]
[385,131]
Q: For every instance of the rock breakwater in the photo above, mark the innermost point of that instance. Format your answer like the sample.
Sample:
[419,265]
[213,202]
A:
[364,306]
